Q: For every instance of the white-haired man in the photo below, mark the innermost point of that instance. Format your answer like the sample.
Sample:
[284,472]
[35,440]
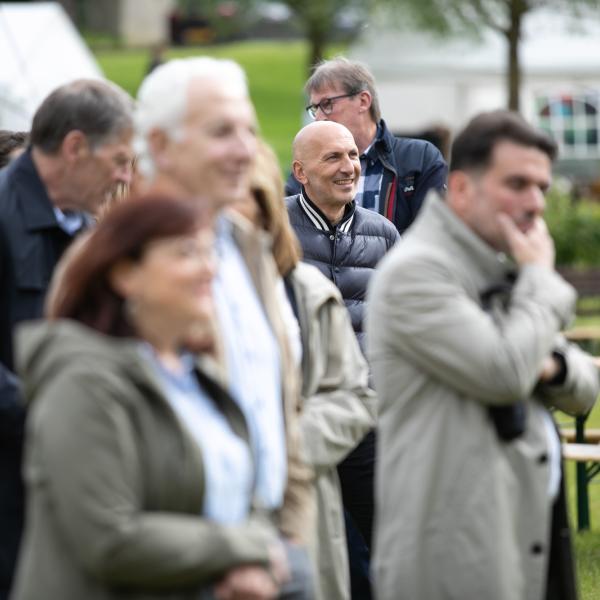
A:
[197,130]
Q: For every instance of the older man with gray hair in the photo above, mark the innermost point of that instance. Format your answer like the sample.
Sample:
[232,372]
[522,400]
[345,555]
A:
[80,150]
[197,131]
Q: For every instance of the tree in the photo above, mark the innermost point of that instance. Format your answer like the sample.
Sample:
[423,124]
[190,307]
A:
[319,20]
[504,16]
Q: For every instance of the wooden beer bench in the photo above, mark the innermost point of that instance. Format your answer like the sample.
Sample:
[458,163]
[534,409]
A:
[591,435]
[582,445]
[582,453]
[587,457]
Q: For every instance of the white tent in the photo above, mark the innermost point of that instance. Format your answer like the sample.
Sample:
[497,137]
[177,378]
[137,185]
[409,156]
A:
[40,49]
[425,80]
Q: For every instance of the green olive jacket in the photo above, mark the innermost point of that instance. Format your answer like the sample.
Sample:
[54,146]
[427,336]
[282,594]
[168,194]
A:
[114,482]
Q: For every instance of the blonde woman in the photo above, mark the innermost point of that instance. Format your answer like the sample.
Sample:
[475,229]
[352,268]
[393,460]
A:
[338,408]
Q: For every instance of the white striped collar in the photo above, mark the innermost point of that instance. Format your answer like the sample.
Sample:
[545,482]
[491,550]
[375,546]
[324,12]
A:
[320,221]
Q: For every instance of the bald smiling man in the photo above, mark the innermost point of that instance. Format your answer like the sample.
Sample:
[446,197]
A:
[345,242]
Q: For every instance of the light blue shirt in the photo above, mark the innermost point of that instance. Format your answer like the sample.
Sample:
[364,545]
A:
[228,469]
[253,364]
[69,221]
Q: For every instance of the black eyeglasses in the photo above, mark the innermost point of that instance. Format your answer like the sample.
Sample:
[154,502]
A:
[326,105]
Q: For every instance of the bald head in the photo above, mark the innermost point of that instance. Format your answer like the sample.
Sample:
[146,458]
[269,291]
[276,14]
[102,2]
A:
[327,164]
[311,137]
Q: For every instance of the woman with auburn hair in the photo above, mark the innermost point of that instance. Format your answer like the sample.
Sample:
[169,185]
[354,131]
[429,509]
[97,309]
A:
[338,408]
[138,469]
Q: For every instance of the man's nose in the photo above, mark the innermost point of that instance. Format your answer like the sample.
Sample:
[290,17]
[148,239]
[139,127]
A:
[245,148]
[124,174]
[536,200]
[347,165]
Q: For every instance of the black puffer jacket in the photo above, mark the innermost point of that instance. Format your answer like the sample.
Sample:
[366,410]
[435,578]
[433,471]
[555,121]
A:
[347,253]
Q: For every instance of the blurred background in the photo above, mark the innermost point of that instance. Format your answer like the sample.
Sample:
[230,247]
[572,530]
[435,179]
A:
[436,63]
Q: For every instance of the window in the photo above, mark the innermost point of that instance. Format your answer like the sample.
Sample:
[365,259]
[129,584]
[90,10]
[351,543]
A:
[573,121]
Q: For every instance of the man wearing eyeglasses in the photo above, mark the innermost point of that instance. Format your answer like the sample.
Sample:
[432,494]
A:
[396,173]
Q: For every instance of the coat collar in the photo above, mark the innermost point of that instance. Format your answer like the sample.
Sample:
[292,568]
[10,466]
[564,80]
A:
[37,209]
[438,224]
[383,138]
[317,217]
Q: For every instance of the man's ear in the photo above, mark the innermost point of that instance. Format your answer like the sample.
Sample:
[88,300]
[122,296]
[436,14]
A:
[460,191]
[299,173]
[158,143]
[74,146]
[365,99]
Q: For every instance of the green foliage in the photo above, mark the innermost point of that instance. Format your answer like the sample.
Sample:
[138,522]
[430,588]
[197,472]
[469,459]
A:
[575,227]
[503,16]
[452,16]
[318,20]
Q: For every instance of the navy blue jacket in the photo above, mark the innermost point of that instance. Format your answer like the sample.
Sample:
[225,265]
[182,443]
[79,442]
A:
[31,243]
[411,168]
[346,253]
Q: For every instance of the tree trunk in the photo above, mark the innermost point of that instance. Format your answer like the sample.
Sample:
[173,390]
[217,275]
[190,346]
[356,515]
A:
[317,40]
[513,36]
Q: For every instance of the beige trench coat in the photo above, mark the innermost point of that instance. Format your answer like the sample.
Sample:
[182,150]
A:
[338,409]
[461,514]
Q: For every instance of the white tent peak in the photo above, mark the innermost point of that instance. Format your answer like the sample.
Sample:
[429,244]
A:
[40,50]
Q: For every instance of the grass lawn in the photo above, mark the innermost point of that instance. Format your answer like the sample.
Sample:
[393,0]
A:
[275,70]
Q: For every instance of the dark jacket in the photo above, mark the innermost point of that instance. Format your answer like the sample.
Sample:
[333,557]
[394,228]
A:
[31,243]
[347,253]
[411,168]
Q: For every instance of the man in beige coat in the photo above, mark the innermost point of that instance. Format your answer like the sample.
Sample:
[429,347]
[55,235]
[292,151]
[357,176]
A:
[463,328]
[197,138]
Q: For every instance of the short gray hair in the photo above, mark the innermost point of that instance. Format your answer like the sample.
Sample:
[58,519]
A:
[99,109]
[162,97]
[352,76]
